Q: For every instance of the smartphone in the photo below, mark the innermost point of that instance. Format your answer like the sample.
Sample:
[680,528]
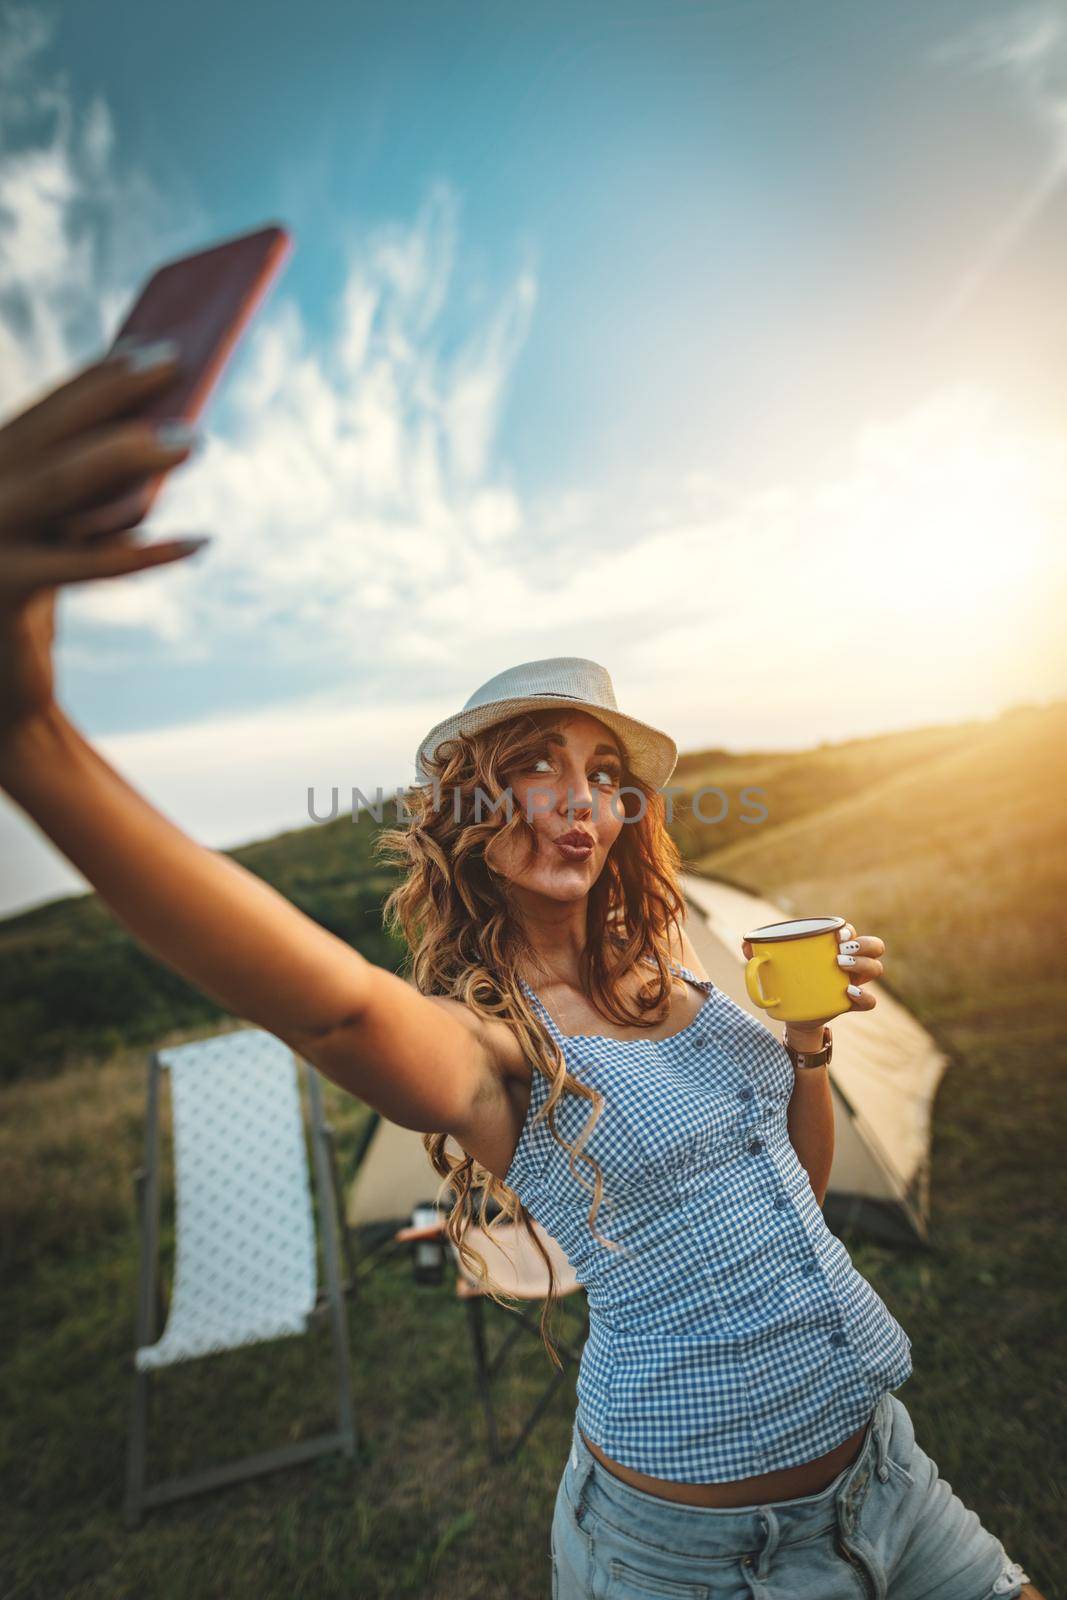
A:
[203,302]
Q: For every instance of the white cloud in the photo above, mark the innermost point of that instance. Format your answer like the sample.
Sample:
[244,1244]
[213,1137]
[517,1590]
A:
[364,468]
[1027,47]
[75,232]
[1029,44]
[356,475]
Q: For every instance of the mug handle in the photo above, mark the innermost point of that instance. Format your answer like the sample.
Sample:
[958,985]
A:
[753,985]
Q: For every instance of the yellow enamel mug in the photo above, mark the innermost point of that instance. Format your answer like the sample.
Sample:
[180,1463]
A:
[793,974]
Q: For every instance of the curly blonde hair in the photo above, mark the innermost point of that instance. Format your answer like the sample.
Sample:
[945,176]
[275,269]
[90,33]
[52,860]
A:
[466,940]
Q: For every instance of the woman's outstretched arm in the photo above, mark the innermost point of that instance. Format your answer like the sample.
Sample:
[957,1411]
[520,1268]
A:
[421,1060]
[237,939]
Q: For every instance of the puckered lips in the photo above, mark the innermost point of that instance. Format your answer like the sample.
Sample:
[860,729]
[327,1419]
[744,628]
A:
[576,845]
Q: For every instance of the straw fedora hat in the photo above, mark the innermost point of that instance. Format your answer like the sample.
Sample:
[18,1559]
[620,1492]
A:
[558,681]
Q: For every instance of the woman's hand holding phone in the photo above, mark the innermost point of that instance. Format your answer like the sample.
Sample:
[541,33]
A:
[80,469]
[66,455]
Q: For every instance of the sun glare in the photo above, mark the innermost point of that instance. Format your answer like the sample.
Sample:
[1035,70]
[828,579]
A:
[959,516]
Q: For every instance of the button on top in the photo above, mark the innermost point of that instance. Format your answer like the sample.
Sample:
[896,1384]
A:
[747,1092]
[781,1201]
[700,1037]
[755,1147]
[837,1337]
[809,1268]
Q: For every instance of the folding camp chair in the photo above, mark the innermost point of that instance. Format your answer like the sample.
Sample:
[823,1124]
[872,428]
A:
[516,1269]
[245,1251]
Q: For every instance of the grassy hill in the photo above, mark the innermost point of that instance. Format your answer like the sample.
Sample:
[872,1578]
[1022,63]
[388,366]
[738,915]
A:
[948,842]
[796,784]
[955,854]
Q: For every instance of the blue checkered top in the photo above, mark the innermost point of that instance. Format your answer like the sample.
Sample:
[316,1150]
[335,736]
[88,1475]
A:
[731,1334]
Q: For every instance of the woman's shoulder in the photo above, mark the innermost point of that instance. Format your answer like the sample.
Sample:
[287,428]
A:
[682,951]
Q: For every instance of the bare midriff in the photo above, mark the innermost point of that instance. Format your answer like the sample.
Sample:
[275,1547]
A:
[786,1483]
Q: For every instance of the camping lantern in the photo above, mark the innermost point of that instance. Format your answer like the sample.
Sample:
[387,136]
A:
[429,1256]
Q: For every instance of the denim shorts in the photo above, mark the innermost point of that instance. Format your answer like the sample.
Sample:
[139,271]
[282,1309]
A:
[887,1528]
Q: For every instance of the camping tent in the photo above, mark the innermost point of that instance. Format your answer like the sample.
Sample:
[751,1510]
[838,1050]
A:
[883,1078]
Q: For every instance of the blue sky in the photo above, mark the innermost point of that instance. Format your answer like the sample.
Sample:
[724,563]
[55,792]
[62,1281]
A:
[720,343]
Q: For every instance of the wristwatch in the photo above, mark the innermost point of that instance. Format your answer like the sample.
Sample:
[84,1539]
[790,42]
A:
[802,1059]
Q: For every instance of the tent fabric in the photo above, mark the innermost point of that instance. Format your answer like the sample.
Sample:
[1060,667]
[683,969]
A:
[245,1256]
[394,1176]
[884,1076]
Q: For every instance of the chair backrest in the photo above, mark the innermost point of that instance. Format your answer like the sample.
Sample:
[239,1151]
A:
[245,1226]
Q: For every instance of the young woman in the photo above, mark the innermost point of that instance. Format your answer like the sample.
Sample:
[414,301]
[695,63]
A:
[736,1433]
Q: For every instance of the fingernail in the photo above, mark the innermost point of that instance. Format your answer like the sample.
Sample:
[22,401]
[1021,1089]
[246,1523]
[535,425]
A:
[176,435]
[850,945]
[854,990]
[143,357]
[846,961]
[196,542]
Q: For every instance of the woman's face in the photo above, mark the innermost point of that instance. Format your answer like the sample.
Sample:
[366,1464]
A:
[571,787]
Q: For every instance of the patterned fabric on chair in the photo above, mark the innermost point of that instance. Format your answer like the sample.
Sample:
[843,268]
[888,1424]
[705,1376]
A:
[245,1267]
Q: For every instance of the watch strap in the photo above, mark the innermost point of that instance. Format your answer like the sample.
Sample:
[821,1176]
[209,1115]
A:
[803,1060]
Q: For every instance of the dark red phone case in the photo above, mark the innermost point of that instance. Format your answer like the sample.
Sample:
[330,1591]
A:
[203,302]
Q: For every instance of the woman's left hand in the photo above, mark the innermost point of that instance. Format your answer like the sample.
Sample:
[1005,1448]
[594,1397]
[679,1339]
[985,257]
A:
[860,956]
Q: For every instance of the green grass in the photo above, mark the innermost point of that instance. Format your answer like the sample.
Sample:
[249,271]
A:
[946,842]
